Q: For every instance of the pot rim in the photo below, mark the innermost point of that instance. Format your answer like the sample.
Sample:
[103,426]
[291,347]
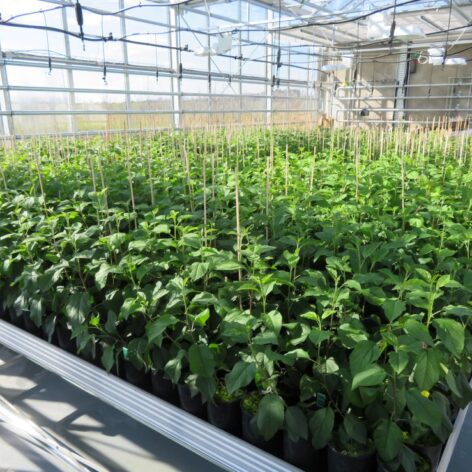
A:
[365,455]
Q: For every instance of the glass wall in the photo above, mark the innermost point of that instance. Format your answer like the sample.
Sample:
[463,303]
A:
[159,67]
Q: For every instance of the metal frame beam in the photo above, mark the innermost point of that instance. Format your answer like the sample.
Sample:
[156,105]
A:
[269,72]
[9,125]
[70,75]
[121,4]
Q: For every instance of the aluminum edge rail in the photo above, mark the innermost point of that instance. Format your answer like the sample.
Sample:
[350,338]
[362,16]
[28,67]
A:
[451,443]
[200,437]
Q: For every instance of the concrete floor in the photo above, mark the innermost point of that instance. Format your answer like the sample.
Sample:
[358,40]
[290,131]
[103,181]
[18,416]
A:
[91,428]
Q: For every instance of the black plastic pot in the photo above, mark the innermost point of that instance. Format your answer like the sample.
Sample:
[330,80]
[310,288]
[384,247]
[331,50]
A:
[381,467]
[64,339]
[138,377]
[15,319]
[193,405]
[164,388]
[339,462]
[45,336]
[226,416]
[302,454]
[90,354]
[249,434]
[29,324]
[431,453]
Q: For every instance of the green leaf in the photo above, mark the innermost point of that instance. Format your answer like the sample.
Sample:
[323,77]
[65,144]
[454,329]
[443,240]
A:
[354,284]
[36,311]
[364,354]
[452,384]
[427,368]
[228,265]
[130,307]
[351,333]
[393,309]
[206,386]
[458,310]
[116,240]
[161,228]
[398,361]
[296,423]
[198,270]
[355,428]
[270,415]
[369,377]
[418,331]
[201,360]
[50,277]
[157,293]
[451,333]
[317,336]
[273,320]
[267,337]
[173,367]
[424,410]
[202,318]
[110,325]
[204,299]
[388,439]
[407,459]
[443,281]
[460,387]
[321,427]
[108,357]
[102,274]
[291,356]
[424,273]
[155,328]
[78,308]
[242,374]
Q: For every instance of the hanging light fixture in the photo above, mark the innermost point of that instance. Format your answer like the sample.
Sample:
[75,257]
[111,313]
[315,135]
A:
[438,57]
[345,64]
[379,26]
[223,45]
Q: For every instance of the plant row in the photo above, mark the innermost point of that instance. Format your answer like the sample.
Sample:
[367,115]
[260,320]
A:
[318,282]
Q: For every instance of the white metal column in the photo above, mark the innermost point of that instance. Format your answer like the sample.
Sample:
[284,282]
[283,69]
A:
[174,65]
[125,60]
[240,63]
[70,75]
[269,69]
[402,78]
[8,124]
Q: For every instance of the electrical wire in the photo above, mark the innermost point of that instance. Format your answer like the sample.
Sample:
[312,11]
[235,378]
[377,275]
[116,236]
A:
[125,39]
[234,30]
[111,38]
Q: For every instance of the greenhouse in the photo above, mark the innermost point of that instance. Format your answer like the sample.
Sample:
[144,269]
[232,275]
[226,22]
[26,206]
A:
[236,235]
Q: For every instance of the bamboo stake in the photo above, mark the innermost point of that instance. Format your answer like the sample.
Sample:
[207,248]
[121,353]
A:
[287,164]
[40,179]
[205,218]
[357,151]
[312,169]
[186,165]
[269,160]
[238,220]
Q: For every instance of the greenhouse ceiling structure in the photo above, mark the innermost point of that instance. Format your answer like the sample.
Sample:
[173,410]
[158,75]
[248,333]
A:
[236,235]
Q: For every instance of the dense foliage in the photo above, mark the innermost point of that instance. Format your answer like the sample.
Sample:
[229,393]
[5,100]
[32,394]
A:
[325,277]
